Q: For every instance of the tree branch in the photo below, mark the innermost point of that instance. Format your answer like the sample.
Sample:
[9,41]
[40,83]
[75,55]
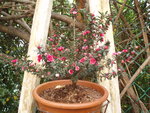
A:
[68,20]
[22,1]
[14,31]
[131,92]
[22,23]
[15,17]
[126,24]
[57,16]
[134,76]
[142,26]
[120,11]
[125,5]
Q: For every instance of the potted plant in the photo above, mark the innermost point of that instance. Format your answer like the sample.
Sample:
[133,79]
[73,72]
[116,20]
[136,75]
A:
[72,55]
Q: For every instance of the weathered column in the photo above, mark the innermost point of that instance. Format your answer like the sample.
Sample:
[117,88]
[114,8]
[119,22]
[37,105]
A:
[38,37]
[112,86]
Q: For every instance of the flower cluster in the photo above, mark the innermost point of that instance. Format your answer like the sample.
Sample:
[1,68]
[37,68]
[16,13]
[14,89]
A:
[125,56]
[72,53]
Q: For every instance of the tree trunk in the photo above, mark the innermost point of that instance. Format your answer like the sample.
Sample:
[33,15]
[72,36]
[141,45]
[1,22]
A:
[38,37]
[112,85]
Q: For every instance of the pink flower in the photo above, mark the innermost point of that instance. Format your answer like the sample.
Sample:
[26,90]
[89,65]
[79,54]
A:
[92,60]
[122,61]
[22,68]
[50,58]
[73,64]
[102,34]
[77,50]
[32,64]
[71,71]
[99,55]
[125,50]
[98,49]
[100,27]
[82,60]
[74,12]
[90,55]
[14,61]
[85,54]
[60,48]
[48,73]
[106,47]
[94,35]
[136,47]
[67,50]
[114,53]
[77,68]
[85,47]
[112,62]
[93,21]
[39,58]
[119,53]
[54,49]
[83,33]
[92,14]
[39,47]
[119,69]
[63,58]
[114,73]
[53,45]
[85,40]
[129,59]
[54,35]
[132,52]
[51,39]
[86,32]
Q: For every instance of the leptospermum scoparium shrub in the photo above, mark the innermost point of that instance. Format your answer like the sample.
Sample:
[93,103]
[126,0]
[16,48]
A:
[73,53]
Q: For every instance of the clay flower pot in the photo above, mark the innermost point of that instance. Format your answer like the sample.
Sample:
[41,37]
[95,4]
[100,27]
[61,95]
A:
[46,106]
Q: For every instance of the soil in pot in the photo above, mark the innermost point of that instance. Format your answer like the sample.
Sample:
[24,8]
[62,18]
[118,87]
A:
[70,94]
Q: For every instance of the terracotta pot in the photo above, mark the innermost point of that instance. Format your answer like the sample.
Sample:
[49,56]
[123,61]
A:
[53,107]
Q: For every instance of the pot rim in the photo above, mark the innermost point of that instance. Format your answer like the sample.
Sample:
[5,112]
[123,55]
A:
[70,106]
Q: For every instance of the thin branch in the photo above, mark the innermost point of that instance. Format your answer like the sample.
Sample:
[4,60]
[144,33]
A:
[143,50]
[2,55]
[142,26]
[134,76]
[126,24]
[22,1]
[125,5]
[25,25]
[14,17]
[135,36]
[126,40]
[120,11]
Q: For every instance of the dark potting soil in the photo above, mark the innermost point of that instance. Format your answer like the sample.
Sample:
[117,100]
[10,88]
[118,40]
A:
[69,94]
